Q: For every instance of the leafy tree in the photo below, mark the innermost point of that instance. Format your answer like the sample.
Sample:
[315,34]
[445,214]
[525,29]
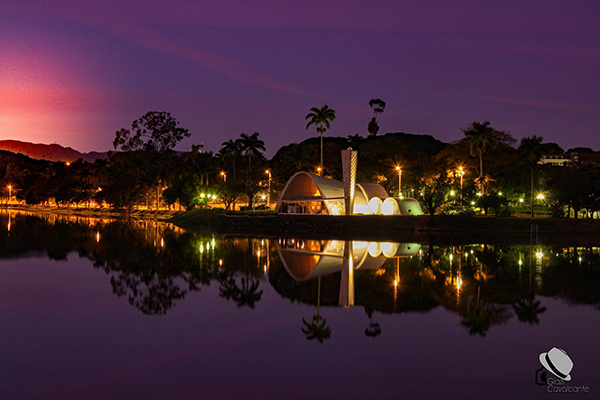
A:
[155,131]
[320,117]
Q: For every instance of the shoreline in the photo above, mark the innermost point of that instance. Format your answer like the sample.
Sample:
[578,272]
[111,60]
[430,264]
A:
[440,228]
[444,228]
[107,213]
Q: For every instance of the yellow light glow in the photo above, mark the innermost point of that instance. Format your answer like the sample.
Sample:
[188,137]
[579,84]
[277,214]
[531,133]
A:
[97,237]
[220,262]
[539,254]
[478,193]
[201,248]
[521,200]
[162,242]
[540,196]
[520,262]
[202,195]
[452,193]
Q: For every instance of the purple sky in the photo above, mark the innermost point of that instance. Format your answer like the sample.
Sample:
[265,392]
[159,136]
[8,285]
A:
[74,73]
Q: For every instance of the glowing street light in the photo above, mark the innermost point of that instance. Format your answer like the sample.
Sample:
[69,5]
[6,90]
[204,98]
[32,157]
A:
[399,169]
[9,193]
[224,175]
[540,196]
[461,173]
[268,172]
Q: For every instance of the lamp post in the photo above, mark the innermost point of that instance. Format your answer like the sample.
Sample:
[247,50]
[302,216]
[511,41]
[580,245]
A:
[399,181]
[224,175]
[461,172]
[268,172]
[9,193]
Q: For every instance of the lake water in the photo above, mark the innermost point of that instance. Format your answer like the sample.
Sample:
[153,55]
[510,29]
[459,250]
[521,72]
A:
[97,309]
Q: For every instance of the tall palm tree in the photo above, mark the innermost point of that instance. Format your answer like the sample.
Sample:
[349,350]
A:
[320,119]
[251,145]
[481,136]
[230,150]
[378,107]
[531,152]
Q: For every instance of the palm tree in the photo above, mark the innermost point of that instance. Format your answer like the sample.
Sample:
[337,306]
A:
[230,149]
[320,119]
[251,145]
[378,106]
[481,136]
[531,152]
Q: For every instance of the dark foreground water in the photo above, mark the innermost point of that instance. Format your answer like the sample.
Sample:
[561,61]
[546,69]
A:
[93,309]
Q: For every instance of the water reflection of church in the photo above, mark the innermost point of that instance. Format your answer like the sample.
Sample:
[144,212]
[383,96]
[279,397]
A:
[308,259]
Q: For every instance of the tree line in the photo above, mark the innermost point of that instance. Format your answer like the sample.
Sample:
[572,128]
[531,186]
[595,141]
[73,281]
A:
[487,169]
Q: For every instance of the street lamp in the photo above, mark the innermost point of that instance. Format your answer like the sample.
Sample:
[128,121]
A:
[399,181]
[224,175]
[268,172]
[461,173]
[9,193]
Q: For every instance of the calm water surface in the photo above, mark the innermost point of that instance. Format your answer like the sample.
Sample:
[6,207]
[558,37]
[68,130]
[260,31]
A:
[112,310]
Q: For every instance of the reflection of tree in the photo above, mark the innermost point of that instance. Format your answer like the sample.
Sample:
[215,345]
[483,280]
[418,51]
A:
[151,294]
[477,319]
[374,329]
[244,295]
[317,328]
[528,310]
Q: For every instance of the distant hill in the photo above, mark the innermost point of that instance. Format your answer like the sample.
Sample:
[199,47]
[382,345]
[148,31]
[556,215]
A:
[50,152]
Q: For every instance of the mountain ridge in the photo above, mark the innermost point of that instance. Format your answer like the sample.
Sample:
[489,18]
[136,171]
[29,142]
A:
[49,152]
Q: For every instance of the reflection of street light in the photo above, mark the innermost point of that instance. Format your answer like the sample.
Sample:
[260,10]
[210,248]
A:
[224,175]
[269,189]
[399,181]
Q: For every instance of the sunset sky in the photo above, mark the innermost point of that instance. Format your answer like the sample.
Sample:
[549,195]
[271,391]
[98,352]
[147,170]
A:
[74,73]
